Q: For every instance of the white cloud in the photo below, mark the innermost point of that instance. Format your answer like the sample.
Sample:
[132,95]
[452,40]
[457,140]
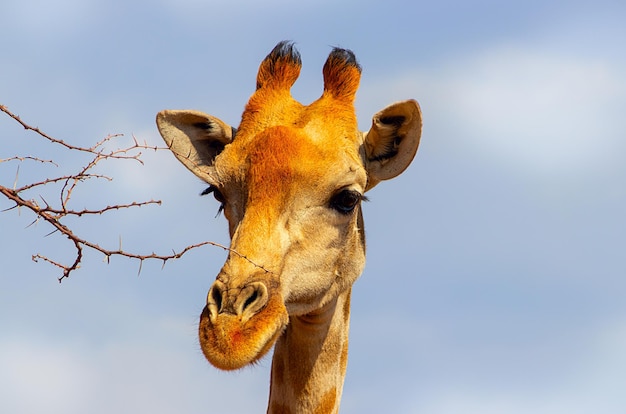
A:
[156,371]
[595,383]
[539,111]
[40,376]
[524,107]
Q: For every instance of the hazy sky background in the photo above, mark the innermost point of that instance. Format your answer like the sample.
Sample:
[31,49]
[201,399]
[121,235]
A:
[496,274]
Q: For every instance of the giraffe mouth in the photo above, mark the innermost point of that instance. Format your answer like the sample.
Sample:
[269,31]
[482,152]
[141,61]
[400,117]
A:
[230,342]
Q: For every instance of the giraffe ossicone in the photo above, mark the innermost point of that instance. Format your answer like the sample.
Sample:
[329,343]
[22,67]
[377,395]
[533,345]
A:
[291,179]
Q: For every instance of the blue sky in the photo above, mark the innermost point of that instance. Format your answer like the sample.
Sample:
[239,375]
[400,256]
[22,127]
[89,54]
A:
[496,271]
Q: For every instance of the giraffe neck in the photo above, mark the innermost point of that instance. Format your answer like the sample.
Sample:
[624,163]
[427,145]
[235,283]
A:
[310,359]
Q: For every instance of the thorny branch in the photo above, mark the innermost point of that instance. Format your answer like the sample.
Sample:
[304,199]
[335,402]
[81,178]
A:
[54,215]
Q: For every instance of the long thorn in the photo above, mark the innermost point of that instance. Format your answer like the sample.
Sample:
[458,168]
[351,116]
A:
[17,173]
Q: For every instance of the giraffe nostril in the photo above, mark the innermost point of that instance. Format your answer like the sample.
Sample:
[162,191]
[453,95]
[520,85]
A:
[251,300]
[215,299]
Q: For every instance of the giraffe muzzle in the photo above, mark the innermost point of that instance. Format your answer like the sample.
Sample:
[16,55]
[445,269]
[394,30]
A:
[240,324]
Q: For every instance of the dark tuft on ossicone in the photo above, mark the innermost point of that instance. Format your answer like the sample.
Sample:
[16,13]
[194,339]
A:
[287,51]
[346,56]
[282,64]
[342,73]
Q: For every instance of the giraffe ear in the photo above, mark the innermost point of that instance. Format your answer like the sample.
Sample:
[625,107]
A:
[195,138]
[392,141]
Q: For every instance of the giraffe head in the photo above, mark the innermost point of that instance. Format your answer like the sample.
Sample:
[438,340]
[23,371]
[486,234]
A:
[290,179]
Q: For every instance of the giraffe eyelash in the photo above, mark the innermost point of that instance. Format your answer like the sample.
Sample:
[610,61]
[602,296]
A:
[211,189]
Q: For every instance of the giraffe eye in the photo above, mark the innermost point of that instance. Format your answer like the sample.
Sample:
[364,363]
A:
[345,201]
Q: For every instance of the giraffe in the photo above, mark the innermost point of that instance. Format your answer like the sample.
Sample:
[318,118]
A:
[290,180]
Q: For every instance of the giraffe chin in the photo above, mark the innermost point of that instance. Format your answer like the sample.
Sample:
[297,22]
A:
[231,342]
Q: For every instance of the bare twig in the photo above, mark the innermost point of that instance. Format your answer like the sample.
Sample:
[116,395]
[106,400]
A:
[28,158]
[53,216]
[97,149]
